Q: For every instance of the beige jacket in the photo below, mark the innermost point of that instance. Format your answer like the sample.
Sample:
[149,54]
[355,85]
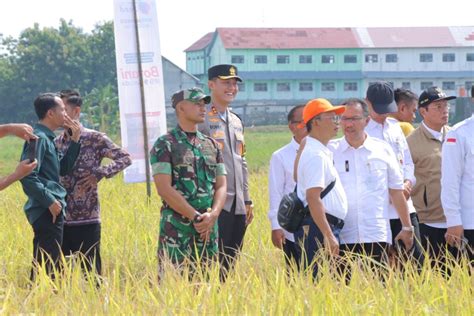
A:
[426,194]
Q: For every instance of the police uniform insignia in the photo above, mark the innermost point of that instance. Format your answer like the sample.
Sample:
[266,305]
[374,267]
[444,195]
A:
[232,71]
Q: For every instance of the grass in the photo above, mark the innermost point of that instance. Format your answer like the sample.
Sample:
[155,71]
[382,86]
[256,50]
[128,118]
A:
[260,284]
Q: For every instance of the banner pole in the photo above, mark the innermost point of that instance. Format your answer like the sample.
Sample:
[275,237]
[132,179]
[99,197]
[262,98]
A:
[142,99]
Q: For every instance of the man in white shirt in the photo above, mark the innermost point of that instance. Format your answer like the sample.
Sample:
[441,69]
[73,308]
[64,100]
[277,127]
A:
[370,174]
[380,99]
[315,172]
[425,148]
[280,182]
[457,186]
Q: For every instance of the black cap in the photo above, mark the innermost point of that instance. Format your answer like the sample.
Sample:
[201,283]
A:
[432,94]
[223,72]
[380,95]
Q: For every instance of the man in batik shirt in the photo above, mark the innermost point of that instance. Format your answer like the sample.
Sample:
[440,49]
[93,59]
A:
[82,224]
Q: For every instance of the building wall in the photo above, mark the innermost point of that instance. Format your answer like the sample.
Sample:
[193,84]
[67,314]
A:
[195,62]
[453,76]
[175,79]
[294,64]
[409,59]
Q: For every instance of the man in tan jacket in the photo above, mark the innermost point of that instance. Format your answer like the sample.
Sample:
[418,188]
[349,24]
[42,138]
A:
[425,148]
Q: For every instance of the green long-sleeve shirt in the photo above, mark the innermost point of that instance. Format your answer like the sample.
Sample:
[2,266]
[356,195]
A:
[42,186]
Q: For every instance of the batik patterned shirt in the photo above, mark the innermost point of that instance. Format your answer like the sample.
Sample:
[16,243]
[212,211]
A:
[83,203]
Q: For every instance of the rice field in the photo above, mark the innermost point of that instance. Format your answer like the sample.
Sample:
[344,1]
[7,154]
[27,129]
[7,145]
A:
[259,285]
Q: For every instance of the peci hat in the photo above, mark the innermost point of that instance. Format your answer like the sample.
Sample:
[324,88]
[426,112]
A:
[192,94]
[380,95]
[224,72]
[318,106]
[432,94]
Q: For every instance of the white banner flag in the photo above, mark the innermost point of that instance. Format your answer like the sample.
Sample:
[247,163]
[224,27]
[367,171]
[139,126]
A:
[128,79]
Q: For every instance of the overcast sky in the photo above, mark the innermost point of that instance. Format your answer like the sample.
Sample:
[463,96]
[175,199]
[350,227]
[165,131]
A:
[181,22]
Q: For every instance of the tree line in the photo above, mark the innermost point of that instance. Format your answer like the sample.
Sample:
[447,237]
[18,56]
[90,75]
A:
[51,59]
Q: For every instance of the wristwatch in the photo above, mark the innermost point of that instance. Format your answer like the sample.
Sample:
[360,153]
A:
[196,218]
[408,228]
[249,202]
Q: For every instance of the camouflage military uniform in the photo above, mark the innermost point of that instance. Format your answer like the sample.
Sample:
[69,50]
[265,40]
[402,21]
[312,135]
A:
[193,166]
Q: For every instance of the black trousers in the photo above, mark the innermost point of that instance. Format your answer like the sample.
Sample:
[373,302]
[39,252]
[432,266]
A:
[417,251]
[85,240]
[292,255]
[47,240]
[433,241]
[231,238]
[375,251]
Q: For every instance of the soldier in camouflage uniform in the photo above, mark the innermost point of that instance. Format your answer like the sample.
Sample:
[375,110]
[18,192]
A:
[189,175]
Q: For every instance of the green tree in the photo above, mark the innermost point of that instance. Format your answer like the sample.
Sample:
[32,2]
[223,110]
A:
[50,59]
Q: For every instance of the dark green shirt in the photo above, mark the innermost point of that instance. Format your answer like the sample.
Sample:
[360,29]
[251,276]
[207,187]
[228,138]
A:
[42,185]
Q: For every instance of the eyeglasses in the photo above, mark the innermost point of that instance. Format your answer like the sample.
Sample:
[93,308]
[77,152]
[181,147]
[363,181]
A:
[334,119]
[351,119]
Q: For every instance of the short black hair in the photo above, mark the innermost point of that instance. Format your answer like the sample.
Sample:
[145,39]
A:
[45,102]
[71,97]
[291,114]
[404,95]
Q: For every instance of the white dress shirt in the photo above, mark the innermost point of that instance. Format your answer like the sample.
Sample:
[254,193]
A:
[366,174]
[316,170]
[457,175]
[280,181]
[391,132]
[439,136]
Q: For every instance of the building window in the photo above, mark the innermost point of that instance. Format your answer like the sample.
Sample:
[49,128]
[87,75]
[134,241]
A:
[449,85]
[241,86]
[371,58]
[426,84]
[283,86]
[468,85]
[237,59]
[391,58]
[306,59]
[328,86]
[470,57]
[306,86]
[406,85]
[260,59]
[350,59]
[350,86]
[283,59]
[449,57]
[327,59]
[426,58]
[260,87]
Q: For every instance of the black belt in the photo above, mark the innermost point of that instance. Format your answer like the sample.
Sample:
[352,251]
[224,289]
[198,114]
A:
[333,220]
[339,223]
